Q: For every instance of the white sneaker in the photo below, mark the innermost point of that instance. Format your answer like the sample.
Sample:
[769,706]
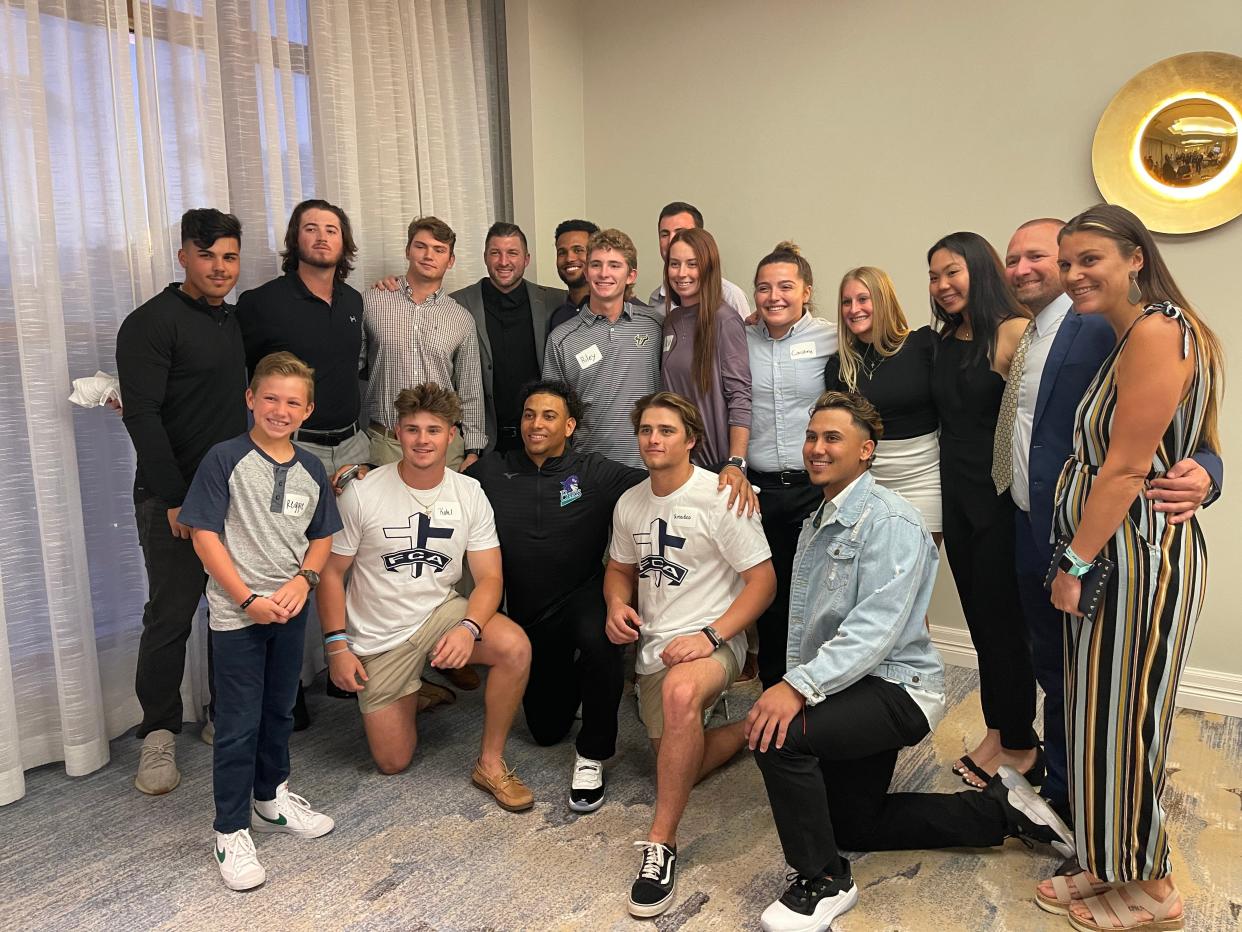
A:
[291,814]
[586,789]
[239,864]
[157,763]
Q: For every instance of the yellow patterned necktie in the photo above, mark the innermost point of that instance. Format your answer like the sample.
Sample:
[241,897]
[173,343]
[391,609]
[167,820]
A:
[1002,444]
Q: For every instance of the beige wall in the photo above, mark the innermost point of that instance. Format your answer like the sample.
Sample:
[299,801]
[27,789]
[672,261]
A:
[865,130]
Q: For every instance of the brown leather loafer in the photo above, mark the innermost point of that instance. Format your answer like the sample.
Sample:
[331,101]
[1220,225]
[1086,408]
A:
[465,678]
[431,695]
[510,792]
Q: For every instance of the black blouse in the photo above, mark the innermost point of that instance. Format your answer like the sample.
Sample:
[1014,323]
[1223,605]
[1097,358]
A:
[900,386]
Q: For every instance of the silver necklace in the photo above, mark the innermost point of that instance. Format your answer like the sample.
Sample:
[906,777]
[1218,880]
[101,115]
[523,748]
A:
[870,369]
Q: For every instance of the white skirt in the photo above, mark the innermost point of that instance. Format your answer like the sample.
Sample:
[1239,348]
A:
[911,468]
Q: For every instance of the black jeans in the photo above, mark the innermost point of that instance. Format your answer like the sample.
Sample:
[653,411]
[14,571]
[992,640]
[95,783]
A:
[979,542]
[175,583]
[828,786]
[784,508]
[258,668]
[573,662]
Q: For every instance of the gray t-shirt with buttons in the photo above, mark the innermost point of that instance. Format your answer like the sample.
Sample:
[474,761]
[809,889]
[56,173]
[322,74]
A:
[265,513]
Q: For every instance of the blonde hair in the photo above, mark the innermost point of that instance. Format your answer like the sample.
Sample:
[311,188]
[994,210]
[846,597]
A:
[283,364]
[889,327]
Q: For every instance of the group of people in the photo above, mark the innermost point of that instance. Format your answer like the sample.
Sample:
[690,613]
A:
[728,491]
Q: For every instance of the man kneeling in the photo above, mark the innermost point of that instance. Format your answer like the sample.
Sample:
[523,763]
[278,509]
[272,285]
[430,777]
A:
[406,531]
[863,681]
[703,574]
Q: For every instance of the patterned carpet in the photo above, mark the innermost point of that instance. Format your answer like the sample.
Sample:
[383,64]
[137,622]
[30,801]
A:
[425,850]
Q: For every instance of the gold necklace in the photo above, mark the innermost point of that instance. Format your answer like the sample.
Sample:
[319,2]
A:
[425,507]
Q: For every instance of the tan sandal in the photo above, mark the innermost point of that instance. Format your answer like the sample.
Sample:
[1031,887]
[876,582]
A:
[1072,889]
[1114,911]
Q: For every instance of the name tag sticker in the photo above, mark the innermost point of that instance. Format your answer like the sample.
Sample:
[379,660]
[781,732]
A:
[685,516]
[447,511]
[589,357]
[802,350]
[668,342]
[296,505]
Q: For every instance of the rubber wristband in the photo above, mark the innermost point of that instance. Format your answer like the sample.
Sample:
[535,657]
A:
[335,637]
[473,627]
[714,636]
[330,653]
[328,634]
[245,605]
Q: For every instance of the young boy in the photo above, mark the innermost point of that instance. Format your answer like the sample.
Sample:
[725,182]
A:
[255,502]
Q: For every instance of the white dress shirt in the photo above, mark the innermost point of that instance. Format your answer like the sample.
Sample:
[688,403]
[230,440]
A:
[1047,323]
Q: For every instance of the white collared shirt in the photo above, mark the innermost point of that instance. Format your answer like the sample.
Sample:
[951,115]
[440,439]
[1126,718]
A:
[828,510]
[1047,323]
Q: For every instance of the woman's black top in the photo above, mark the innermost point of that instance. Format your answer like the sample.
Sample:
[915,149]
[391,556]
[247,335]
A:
[900,386]
[968,400]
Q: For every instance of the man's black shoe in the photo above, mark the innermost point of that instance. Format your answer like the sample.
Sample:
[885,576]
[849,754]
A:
[1028,815]
[652,892]
[811,903]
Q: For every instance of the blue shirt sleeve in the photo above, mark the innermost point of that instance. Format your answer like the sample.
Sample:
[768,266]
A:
[207,503]
[327,520]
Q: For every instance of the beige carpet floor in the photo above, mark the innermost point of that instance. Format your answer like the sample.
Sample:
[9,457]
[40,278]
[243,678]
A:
[426,851]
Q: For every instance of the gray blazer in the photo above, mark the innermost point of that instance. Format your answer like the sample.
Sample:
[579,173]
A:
[543,301]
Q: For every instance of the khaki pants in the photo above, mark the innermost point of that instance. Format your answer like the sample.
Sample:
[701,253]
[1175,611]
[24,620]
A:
[396,673]
[385,449]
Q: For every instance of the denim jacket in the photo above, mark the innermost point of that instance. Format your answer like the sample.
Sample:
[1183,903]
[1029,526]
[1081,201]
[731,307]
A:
[859,593]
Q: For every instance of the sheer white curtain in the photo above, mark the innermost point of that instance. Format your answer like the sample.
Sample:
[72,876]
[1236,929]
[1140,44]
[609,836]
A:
[109,129]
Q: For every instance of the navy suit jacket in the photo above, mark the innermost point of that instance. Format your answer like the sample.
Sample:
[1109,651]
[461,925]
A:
[1079,349]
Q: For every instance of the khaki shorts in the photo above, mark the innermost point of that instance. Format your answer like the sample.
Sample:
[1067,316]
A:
[651,690]
[385,450]
[397,673]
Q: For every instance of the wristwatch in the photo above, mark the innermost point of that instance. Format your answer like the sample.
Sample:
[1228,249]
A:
[714,636]
[311,577]
[1072,565]
[737,461]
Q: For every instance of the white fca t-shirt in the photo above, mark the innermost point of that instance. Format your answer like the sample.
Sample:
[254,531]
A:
[406,561]
[689,551]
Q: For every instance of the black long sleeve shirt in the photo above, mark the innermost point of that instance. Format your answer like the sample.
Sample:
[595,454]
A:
[183,382]
[552,523]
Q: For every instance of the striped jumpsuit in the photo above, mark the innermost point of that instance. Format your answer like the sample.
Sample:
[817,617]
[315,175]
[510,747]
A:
[1123,665]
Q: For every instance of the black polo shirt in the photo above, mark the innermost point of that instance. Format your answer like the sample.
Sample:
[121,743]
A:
[553,523]
[283,315]
[183,384]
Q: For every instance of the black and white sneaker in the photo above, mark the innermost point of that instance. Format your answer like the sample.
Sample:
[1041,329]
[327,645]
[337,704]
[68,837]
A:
[652,892]
[811,903]
[586,789]
[1029,815]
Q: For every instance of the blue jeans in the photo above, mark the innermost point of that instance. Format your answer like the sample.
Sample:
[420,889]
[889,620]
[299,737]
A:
[256,679]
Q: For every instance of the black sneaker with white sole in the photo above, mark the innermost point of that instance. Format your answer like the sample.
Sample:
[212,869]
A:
[586,788]
[811,903]
[1028,815]
[653,888]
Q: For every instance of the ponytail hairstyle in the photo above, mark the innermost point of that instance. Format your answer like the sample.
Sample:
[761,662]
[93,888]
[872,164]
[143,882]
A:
[711,301]
[788,251]
[989,303]
[1157,284]
[889,326]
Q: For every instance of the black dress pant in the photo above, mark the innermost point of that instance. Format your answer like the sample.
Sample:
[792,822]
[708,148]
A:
[828,785]
[175,583]
[573,662]
[979,542]
[784,507]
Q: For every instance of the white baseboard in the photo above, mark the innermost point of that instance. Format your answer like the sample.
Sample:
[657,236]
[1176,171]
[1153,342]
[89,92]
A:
[1203,690]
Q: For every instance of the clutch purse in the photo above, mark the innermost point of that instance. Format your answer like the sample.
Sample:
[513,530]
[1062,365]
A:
[1093,581]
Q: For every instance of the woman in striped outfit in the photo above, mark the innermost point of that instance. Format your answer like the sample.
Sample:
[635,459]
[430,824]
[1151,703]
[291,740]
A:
[1153,403]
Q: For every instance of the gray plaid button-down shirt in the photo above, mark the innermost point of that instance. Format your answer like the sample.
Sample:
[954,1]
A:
[406,343]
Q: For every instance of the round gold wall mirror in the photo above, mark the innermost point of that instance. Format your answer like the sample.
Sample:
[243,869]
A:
[1167,145]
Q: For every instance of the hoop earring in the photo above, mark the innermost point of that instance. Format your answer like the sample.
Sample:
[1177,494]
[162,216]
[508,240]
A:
[1135,295]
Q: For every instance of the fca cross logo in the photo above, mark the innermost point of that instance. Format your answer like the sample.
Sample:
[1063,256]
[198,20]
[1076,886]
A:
[417,555]
[656,542]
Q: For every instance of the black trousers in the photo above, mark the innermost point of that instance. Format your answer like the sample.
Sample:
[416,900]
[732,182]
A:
[784,508]
[573,662]
[828,785]
[979,542]
[175,583]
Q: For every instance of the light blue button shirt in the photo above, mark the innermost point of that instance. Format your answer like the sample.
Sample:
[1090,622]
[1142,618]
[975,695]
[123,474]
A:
[786,376]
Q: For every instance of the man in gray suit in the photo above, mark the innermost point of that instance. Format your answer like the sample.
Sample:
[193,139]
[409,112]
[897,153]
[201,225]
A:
[511,317]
